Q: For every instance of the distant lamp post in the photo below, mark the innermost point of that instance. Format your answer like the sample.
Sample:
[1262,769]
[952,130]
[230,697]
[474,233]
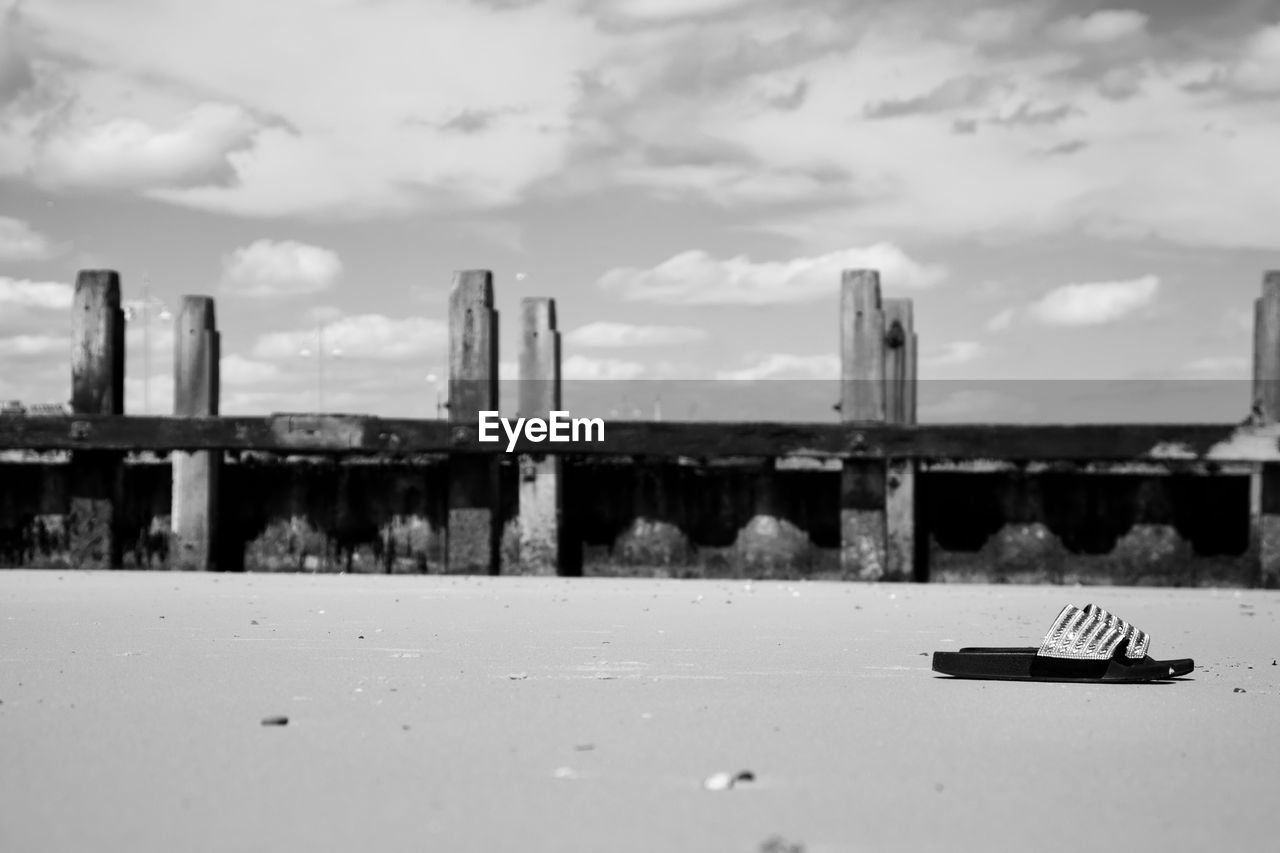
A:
[435,385]
[141,311]
[320,352]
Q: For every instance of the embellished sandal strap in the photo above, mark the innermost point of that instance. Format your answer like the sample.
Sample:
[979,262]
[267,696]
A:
[1092,633]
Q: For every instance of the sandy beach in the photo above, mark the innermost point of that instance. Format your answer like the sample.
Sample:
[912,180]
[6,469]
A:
[460,713]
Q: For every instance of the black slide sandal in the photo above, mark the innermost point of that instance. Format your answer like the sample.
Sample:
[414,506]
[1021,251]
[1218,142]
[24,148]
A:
[1086,644]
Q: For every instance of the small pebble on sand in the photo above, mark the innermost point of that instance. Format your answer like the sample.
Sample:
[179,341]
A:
[725,781]
[718,782]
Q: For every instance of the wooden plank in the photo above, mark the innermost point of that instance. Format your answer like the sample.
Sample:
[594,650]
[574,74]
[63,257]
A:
[96,476]
[1259,345]
[1265,528]
[97,344]
[862,357]
[913,362]
[391,437]
[1102,469]
[1256,519]
[1267,348]
[863,526]
[1265,506]
[283,434]
[474,526]
[541,497]
[901,554]
[194,517]
[899,380]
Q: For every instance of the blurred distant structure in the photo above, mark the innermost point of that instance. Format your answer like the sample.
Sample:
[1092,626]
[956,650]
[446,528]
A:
[13,408]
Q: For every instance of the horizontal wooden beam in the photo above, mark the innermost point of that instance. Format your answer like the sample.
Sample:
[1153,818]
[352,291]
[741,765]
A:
[362,435]
[299,434]
[1113,467]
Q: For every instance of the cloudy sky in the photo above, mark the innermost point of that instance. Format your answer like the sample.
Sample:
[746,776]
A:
[1067,190]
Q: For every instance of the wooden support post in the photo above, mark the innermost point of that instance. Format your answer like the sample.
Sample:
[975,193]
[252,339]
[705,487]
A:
[902,562]
[862,483]
[1265,491]
[862,329]
[474,532]
[899,362]
[1259,346]
[540,478]
[96,478]
[913,377]
[196,350]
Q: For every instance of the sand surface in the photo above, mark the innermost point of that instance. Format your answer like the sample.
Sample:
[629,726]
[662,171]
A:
[491,714]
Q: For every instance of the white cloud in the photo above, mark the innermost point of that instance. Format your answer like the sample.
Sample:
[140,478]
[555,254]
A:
[149,352]
[1220,367]
[21,293]
[696,278]
[285,268]
[20,242]
[357,137]
[1001,321]
[1259,67]
[322,314]
[786,366]
[1094,303]
[993,25]
[914,177]
[237,370]
[154,397]
[996,184]
[660,10]
[35,346]
[152,331]
[729,184]
[364,336]
[16,74]
[605,334]
[956,353]
[1238,320]
[127,153]
[563,104]
[1101,27]
[584,367]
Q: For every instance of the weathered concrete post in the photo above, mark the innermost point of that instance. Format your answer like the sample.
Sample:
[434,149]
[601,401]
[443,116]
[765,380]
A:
[1265,491]
[541,498]
[95,477]
[862,400]
[472,539]
[900,407]
[196,356]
